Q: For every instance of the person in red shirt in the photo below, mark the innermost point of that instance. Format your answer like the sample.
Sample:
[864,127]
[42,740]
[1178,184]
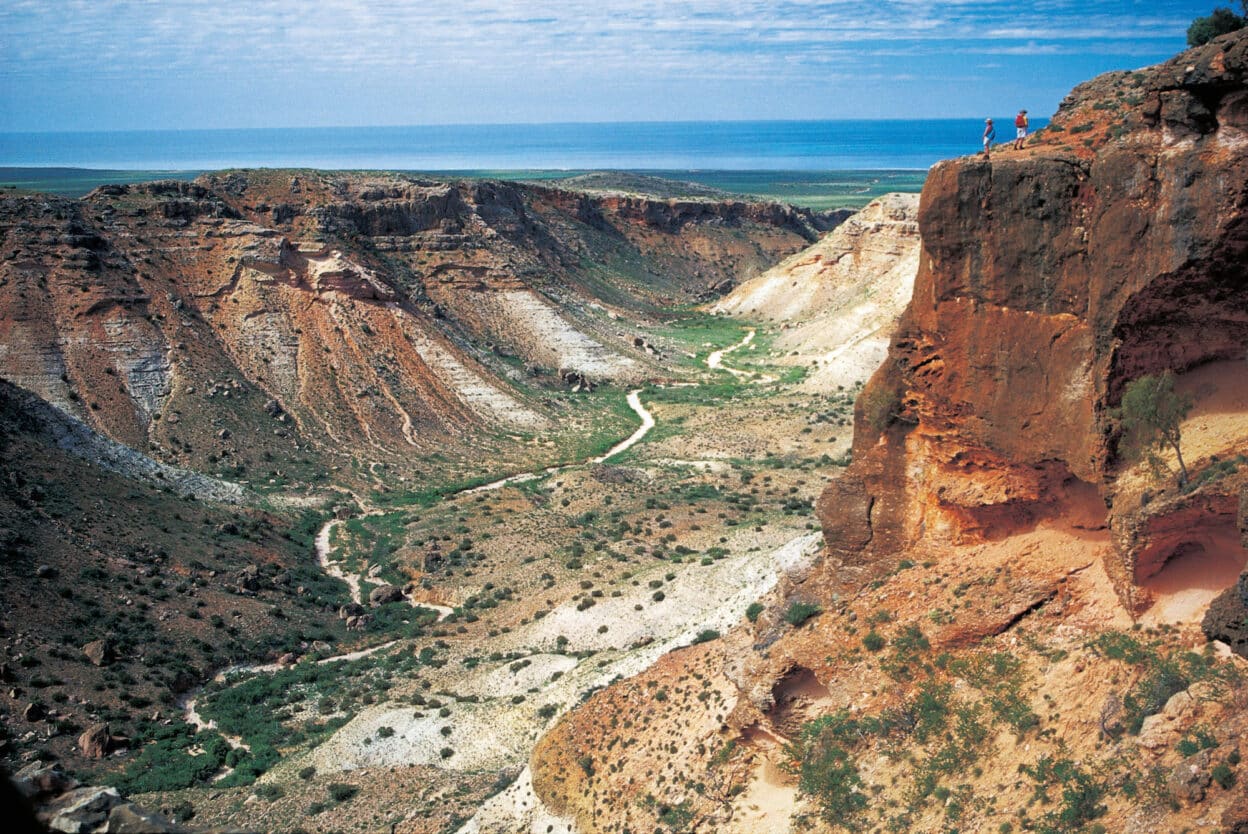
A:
[1020,129]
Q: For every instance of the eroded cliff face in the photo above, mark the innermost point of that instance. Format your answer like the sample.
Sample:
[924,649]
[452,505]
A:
[352,314]
[965,646]
[1113,246]
[837,300]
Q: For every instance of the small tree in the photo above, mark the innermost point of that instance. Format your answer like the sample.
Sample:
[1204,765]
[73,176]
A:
[1223,20]
[1151,414]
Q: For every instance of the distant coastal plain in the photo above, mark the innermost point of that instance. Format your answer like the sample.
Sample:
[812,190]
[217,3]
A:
[816,164]
[817,190]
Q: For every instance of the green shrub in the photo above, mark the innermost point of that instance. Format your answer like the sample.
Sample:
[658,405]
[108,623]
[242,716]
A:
[829,775]
[1224,776]
[873,641]
[755,609]
[705,636]
[341,792]
[799,612]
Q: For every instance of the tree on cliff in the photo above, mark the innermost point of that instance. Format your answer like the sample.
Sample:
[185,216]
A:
[1151,414]
[1223,20]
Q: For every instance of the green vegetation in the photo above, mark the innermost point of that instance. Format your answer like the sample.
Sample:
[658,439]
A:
[165,761]
[706,636]
[1151,415]
[1220,22]
[1163,674]
[799,612]
[1081,794]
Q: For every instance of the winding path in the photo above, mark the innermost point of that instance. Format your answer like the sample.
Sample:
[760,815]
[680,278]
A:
[324,551]
[716,360]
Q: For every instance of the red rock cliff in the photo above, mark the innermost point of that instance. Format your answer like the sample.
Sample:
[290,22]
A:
[1113,246]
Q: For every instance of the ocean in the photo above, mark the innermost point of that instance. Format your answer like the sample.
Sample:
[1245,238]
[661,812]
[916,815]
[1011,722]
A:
[724,146]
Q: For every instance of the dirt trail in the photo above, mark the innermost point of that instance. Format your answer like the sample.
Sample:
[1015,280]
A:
[647,423]
[716,360]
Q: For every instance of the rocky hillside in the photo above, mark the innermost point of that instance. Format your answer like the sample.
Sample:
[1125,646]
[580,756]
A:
[837,301]
[257,316]
[1005,631]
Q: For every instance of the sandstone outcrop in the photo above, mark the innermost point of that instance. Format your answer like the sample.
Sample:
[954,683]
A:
[838,299]
[1112,247]
[989,517]
[356,312]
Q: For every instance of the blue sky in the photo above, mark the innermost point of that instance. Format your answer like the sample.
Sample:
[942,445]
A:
[114,65]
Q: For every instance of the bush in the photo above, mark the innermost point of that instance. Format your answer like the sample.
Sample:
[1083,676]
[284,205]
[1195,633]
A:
[1205,29]
[799,612]
[706,635]
[753,611]
[873,641]
[829,775]
[1224,776]
[307,772]
[341,792]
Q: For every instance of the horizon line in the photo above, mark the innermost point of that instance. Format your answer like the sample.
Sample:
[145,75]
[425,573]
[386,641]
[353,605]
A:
[492,124]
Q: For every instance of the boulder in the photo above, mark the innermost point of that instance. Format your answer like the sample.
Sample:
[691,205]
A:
[1189,779]
[80,810]
[39,779]
[95,742]
[1227,617]
[383,595]
[1235,817]
[99,652]
[128,818]
[34,712]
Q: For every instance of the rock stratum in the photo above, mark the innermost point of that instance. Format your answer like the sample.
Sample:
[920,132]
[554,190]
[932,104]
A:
[353,314]
[1005,630]
[837,301]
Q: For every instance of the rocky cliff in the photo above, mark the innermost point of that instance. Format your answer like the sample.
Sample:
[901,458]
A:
[1005,630]
[837,300]
[263,315]
[1112,247]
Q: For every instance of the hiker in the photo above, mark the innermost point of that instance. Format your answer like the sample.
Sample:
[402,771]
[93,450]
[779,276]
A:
[990,135]
[1020,129]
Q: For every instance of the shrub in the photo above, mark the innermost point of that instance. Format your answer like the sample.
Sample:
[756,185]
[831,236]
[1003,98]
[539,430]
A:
[799,612]
[829,775]
[872,641]
[1220,22]
[341,792]
[752,613]
[307,772]
[706,635]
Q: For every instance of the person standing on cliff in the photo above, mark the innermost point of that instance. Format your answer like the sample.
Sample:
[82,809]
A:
[990,135]
[1020,129]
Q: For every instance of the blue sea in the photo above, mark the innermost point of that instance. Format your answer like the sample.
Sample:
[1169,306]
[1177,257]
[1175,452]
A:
[769,146]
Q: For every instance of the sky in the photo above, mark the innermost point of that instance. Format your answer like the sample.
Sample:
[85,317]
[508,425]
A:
[71,65]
